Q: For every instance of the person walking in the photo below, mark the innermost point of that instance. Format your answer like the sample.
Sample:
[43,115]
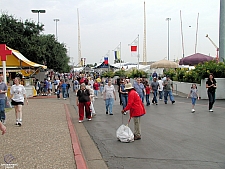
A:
[3,90]
[109,96]
[155,86]
[168,88]
[92,97]
[63,88]
[148,90]
[96,88]
[194,96]
[18,95]
[211,86]
[124,94]
[140,89]
[136,108]
[83,102]
[160,89]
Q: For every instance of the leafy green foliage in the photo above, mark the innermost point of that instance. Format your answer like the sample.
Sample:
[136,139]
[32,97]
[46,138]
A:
[108,74]
[27,37]
[201,71]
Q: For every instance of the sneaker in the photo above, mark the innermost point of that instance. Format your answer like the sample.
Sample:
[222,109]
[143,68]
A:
[106,112]
[124,113]
[20,124]
[89,119]
[173,101]
[165,102]
[192,110]
[111,114]
[156,104]
[93,114]
[3,122]
[211,110]
[80,121]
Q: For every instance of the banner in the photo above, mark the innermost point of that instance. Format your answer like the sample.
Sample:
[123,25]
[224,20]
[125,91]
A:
[106,61]
[117,52]
[134,47]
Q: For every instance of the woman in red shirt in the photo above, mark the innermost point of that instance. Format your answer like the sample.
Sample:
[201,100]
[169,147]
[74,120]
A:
[136,108]
[96,88]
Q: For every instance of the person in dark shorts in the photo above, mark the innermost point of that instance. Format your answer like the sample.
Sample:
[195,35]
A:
[17,95]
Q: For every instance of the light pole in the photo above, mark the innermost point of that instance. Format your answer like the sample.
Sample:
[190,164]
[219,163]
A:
[38,11]
[56,20]
[168,19]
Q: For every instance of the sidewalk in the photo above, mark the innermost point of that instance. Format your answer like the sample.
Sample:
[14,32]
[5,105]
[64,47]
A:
[44,139]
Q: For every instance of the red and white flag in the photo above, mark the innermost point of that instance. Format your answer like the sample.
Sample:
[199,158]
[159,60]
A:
[134,47]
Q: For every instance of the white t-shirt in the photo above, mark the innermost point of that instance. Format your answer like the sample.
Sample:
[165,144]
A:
[160,85]
[18,92]
[109,91]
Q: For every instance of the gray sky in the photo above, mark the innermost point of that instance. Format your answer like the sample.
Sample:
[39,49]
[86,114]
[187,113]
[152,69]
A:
[106,23]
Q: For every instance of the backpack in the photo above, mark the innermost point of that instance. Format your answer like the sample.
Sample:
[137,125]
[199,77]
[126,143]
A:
[76,82]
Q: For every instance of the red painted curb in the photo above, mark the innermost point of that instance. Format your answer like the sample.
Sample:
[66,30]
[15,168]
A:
[78,156]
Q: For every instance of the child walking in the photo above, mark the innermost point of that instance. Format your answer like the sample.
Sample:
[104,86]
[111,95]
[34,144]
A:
[194,96]
[147,89]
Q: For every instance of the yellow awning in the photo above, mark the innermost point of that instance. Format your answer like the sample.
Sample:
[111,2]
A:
[18,60]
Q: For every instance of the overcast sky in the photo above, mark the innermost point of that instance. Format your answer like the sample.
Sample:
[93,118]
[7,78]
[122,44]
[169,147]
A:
[106,23]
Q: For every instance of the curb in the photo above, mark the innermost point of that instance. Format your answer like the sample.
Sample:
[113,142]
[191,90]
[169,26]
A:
[78,156]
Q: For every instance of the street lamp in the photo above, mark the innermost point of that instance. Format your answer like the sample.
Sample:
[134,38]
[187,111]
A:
[38,11]
[56,20]
[168,19]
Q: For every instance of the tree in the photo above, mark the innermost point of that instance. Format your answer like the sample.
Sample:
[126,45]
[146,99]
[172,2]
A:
[27,37]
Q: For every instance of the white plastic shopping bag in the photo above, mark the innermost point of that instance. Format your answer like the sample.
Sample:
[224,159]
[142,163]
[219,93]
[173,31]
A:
[124,134]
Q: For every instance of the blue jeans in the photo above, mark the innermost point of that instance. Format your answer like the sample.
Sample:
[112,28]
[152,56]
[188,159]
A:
[193,100]
[160,94]
[101,89]
[147,99]
[211,96]
[155,96]
[142,98]
[109,104]
[124,99]
[2,109]
[96,93]
[166,93]
[64,93]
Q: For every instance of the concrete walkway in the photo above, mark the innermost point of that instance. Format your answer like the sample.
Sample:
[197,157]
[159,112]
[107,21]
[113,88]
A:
[44,139]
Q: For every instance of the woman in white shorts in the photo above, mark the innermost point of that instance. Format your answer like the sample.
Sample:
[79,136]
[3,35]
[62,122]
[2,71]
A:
[17,95]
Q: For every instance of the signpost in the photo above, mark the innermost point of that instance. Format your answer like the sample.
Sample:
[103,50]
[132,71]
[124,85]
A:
[3,53]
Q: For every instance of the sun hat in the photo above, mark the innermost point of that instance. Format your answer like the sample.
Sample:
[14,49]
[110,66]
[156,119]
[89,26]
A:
[128,86]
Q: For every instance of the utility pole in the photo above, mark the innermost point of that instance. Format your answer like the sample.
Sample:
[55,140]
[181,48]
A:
[168,19]
[56,20]
[79,42]
[144,43]
[222,32]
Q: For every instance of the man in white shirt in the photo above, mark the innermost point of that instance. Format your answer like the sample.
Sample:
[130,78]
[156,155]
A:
[160,88]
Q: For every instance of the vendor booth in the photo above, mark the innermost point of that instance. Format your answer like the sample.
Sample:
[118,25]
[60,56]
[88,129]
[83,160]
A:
[19,66]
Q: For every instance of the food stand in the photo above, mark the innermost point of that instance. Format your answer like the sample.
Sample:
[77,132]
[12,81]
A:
[19,66]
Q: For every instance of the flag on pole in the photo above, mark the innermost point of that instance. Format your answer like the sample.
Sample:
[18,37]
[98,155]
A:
[134,48]
[106,61]
[117,52]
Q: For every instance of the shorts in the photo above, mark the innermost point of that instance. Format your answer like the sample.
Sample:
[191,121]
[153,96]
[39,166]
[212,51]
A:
[193,100]
[16,103]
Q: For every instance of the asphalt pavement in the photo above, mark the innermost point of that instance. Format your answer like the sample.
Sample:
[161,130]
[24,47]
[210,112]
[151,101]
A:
[172,136]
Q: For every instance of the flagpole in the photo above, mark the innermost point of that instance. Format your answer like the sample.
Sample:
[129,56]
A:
[138,52]
[108,59]
[120,56]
